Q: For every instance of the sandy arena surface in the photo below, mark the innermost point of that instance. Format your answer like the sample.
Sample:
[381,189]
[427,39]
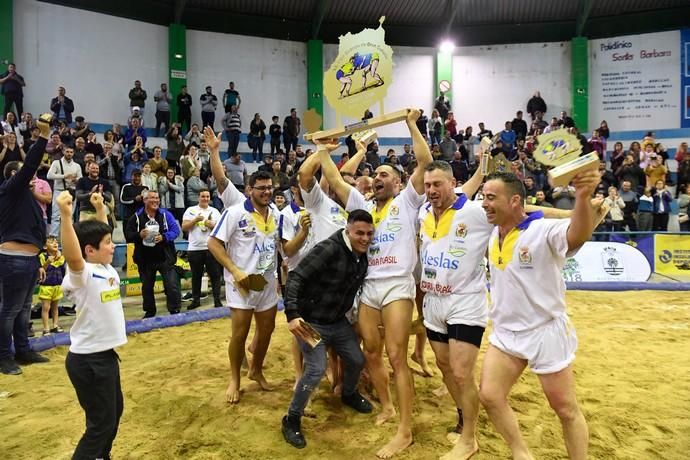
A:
[633,379]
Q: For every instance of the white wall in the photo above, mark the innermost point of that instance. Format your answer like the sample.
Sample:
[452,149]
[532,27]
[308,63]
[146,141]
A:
[270,75]
[412,86]
[491,83]
[94,56]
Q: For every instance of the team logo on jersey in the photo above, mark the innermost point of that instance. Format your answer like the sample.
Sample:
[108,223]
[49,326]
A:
[524,256]
[394,211]
[335,210]
[430,273]
[456,252]
[461,231]
[242,223]
[393,227]
[612,262]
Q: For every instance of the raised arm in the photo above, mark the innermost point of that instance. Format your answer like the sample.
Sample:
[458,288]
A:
[580,229]
[352,164]
[98,204]
[70,243]
[329,169]
[470,187]
[306,172]
[213,143]
[421,150]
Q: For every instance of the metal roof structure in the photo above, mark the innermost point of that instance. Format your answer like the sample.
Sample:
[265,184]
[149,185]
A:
[408,22]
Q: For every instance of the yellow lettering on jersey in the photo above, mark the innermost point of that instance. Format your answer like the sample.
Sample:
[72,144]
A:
[379,216]
[109,296]
[264,226]
[501,256]
[436,229]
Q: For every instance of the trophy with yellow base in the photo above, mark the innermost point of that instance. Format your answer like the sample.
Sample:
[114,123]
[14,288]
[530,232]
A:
[562,150]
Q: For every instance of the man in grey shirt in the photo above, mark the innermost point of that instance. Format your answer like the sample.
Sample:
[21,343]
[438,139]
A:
[448,147]
[631,201]
[64,173]
[163,100]
[236,171]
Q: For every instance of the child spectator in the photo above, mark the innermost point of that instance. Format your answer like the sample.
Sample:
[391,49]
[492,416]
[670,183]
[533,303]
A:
[92,363]
[50,277]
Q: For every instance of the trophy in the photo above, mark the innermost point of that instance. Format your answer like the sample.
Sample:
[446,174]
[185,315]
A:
[365,126]
[562,150]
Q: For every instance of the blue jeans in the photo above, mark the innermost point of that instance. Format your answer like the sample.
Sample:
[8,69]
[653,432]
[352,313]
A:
[341,336]
[18,275]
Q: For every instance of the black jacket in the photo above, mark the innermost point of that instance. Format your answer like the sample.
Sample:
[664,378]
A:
[323,286]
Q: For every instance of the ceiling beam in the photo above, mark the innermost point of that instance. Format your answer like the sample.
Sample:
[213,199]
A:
[321,10]
[179,10]
[452,7]
[582,17]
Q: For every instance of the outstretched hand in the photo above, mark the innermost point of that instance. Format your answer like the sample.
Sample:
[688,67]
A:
[96,200]
[586,182]
[211,139]
[413,115]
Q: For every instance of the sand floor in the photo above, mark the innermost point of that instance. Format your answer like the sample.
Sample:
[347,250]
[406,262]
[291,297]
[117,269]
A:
[633,370]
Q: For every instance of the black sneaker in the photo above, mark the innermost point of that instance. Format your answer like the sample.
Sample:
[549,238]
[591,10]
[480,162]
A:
[30,332]
[30,357]
[292,432]
[204,295]
[9,367]
[148,314]
[193,305]
[175,311]
[357,402]
[218,304]
[187,297]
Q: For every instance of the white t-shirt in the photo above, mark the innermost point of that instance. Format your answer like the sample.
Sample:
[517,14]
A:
[327,216]
[452,249]
[100,323]
[393,252]
[231,196]
[527,287]
[249,240]
[198,235]
[288,228]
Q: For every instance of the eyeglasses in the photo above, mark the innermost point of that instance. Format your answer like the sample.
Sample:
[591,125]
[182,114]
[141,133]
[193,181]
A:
[263,188]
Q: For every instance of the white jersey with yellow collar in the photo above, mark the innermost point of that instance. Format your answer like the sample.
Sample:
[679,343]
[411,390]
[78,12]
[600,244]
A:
[231,196]
[393,252]
[527,287]
[249,239]
[452,249]
[287,229]
[327,216]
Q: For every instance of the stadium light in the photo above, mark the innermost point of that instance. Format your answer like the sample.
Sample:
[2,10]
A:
[447,46]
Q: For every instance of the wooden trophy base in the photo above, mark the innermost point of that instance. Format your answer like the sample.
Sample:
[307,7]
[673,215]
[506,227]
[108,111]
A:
[561,176]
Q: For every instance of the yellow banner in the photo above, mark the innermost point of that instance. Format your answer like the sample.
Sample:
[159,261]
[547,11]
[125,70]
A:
[672,255]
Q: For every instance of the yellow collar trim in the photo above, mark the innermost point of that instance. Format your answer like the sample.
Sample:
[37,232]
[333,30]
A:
[379,216]
[501,256]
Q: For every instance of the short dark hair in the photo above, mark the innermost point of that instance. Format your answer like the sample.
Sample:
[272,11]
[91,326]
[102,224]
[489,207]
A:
[90,233]
[11,167]
[259,175]
[136,172]
[359,215]
[204,189]
[294,181]
[279,193]
[511,181]
[439,164]
[395,170]
[274,117]
[79,118]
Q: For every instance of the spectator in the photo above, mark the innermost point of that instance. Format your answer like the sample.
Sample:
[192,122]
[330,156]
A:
[10,151]
[631,172]
[553,126]
[23,234]
[163,100]
[209,102]
[131,196]
[158,164]
[153,231]
[9,124]
[175,146]
[519,125]
[55,146]
[194,136]
[448,147]
[631,200]
[111,169]
[93,146]
[189,161]
[205,159]
[563,197]
[406,156]
[133,133]
[655,171]
[662,206]
[236,171]
[684,170]
[26,125]
[460,168]
[539,125]
[442,105]
[35,132]
[483,132]
[530,188]
[604,132]
[435,127]
[81,128]
[171,192]
[256,136]
[615,218]
[280,180]
[422,123]
[597,144]
[148,179]
[64,172]
[681,151]
[508,139]
[635,149]
[62,106]
[43,195]
[232,125]
[565,120]
[184,108]
[80,152]
[198,221]
[536,104]
[86,186]
[608,179]
[645,211]
[645,156]
[12,84]
[617,156]
[132,162]
[540,199]
[231,97]
[275,132]
[137,98]
[372,156]
[135,112]
[194,186]
[291,129]
[267,165]
[451,126]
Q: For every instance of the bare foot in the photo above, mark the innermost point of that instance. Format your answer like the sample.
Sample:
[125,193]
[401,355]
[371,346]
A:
[396,445]
[338,390]
[440,391]
[260,379]
[426,370]
[461,451]
[232,395]
[386,414]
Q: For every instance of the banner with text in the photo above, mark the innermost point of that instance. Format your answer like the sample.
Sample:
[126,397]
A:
[599,261]
[672,256]
[685,78]
[635,81]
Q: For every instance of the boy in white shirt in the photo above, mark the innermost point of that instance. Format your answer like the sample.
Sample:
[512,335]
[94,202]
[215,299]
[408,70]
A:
[92,363]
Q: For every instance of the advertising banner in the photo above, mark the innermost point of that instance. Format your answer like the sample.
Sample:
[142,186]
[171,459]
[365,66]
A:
[607,261]
[672,256]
